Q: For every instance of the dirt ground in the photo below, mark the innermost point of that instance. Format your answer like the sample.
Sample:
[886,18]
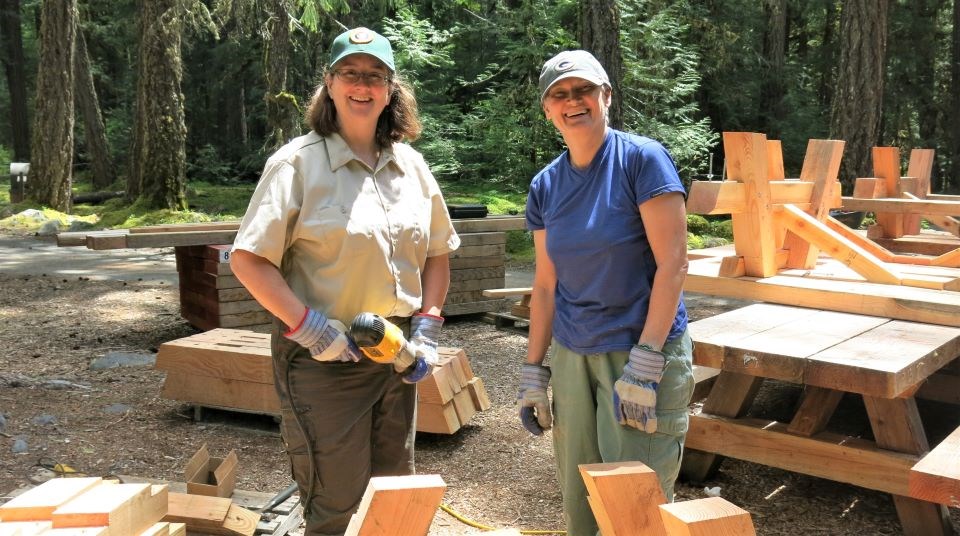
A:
[57,409]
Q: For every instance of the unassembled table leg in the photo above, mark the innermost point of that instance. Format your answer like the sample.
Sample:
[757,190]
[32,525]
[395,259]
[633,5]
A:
[896,426]
[731,396]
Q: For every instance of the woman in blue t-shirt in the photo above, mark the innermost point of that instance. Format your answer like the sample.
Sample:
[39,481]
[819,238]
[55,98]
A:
[609,227]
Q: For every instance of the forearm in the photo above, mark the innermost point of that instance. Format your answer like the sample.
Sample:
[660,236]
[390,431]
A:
[265,282]
[436,282]
[541,323]
[664,300]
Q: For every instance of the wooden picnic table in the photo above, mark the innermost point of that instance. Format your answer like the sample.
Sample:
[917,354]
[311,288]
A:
[830,353]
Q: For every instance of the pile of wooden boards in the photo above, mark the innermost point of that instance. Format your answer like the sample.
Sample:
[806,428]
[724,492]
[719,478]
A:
[92,506]
[478,264]
[210,295]
[88,506]
[232,369]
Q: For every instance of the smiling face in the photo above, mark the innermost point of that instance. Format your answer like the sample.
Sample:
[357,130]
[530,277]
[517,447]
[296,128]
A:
[358,101]
[577,107]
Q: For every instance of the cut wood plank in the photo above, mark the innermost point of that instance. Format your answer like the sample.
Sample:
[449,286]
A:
[711,516]
[125,508]
[435,389]
[25,528]
[197,511]
[903,206]
[821,165]
[478,393]
[38,504]
[625,495]
[397,506]
[920,167]
[729,197]
[936,477]
[89,531]
[753,231]
[437,418]
[463,406]
[229,354]
[886,166]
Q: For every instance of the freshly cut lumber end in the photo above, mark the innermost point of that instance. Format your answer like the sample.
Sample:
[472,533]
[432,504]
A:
[398,506]
[712,516]
[39,503]
[936,477]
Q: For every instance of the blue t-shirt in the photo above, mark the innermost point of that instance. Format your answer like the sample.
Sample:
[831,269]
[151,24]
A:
[598,243]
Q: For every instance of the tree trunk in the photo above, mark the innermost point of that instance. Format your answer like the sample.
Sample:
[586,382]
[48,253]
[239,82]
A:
[162,144]
[52,147]
[952,181]
[858,100]
[100,161]
[772,88]
[600,35]
[14,66]
[283,115]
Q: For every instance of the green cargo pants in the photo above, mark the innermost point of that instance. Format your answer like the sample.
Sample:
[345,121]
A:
[585,428]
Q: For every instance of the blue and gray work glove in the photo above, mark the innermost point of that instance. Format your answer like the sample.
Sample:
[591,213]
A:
[424,334]
[534,404]
[635,393]
[325,338]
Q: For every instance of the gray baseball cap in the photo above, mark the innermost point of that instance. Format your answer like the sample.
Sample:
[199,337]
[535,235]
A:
[362,41]
[571,64]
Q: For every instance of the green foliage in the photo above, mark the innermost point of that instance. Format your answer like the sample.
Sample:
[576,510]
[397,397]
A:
[520,246]
[661,80]
[497,201]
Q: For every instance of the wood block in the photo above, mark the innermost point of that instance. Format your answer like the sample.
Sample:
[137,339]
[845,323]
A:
[161,528]
[38,504]
[463,405]
[398,506]
[629,493]
[437,419]
[712,516]
[125,508]
[221,353]
[459,363]
[936,477]
[88,531]
[869,188]
[478,393]
[435,389]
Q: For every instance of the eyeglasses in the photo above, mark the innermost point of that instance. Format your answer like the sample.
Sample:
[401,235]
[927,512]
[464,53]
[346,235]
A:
[575,93]
[369,79]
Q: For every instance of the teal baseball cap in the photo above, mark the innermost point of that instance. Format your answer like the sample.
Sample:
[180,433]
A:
[362,41]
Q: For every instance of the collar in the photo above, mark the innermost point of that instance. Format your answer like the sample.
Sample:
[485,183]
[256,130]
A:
[340,154]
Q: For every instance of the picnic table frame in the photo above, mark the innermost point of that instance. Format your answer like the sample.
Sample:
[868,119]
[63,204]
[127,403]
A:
[830,354]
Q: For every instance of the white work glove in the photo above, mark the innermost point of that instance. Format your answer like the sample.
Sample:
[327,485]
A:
[326,338]
[534,403]
[635,393]
[424,334]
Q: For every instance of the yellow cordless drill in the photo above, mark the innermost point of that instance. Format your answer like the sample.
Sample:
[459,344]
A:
[383,342]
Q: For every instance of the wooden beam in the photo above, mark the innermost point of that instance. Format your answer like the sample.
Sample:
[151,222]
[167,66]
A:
[397,506]
[886,166]
[903,206]
[753,231]
[730,197]
[624,497]
[710,516]
[838,247]
[821,166]
[921,168]
[825,455]
[936,477]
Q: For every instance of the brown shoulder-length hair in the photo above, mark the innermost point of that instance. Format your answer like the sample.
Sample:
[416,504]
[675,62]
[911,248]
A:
[397,122]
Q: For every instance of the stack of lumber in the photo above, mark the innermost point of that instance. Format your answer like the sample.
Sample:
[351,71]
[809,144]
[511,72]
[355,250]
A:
[449,397]
[475,266]
[232,369]
[210,295]
[89,506]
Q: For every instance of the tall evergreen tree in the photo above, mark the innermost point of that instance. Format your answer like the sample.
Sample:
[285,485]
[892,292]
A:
[159,160]
[600,35]
[95,135]
[858,102]
[773,87]
[14,66]
[52,147]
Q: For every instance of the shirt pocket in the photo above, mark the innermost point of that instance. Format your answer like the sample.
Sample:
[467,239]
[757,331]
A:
[334,235]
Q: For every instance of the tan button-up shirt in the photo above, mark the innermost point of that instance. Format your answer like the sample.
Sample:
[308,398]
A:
[346,238]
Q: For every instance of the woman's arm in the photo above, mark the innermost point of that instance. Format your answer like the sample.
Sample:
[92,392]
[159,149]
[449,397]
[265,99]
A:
[665,219]
[541,301]
[436,282]
[268,287]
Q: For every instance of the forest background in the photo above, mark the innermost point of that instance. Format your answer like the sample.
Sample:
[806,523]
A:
[171,93]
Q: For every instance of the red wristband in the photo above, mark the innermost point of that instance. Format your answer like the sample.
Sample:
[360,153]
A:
[306,311]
